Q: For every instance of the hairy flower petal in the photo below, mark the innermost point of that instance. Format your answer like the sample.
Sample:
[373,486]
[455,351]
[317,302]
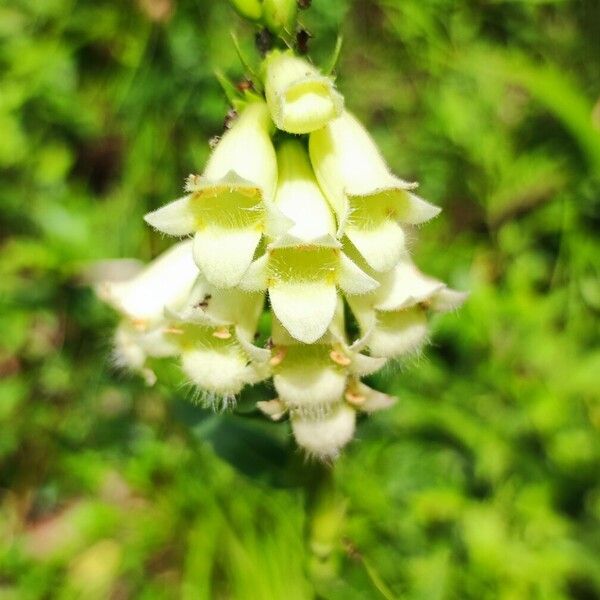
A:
[304,308]
[324,438]
[224,255]
[368,200]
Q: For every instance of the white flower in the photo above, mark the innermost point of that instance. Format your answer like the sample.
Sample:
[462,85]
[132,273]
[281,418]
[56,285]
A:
[325,435]
[164,284]
[393,318]
[318,385]
[226,207]
[310,379]
[214,335]
[300,98]
[303,267]
[369,201]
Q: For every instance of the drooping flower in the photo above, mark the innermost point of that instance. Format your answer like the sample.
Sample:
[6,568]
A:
[226,208]
[303,267]
[324,437]
[369,201]
[318,385]
[394,317]
[311,378]
[300,98]
[214,334]
[165,283]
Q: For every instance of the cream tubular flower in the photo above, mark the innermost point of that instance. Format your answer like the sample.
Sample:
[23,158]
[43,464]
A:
[319,386]
[214,336]
[164,284]
[300,98]
[312,379]
[324,437]
[225,208]
[394,319]
[369,201]
[303,267]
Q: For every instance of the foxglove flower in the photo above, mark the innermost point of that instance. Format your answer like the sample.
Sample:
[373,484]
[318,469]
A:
[165,283]
[311,378]
[303,267]
[226,208]
[318,385]
[214,335]
[369,201]
[394,317]
[324,437]
[300,98]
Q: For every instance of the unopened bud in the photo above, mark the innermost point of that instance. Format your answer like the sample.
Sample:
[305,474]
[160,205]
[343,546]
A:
[280,15]
[250,9]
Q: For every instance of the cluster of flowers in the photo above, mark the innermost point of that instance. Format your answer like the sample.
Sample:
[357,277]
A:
[314,223]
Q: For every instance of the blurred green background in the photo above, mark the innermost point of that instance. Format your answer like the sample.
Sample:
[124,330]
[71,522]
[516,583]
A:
[483,482]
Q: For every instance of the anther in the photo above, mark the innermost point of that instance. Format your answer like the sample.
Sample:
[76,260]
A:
[222,333]
[278,356]
[339,358]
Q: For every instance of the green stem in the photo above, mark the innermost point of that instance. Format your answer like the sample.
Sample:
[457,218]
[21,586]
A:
[326,510]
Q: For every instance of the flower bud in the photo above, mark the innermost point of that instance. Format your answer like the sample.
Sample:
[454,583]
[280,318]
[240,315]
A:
[300,98]
[369,201]
[225,207]
[280,15]
[250,9]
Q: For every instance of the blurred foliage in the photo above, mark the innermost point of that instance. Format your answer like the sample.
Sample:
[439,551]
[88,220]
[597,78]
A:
[483,482]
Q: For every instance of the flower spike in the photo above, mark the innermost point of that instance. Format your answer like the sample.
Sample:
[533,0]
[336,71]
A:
[316,224]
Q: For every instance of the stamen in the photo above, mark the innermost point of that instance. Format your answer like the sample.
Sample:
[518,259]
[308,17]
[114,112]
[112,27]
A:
[139,323]
[278,356]
[353,397]
[174,330]
[222,333]
[339,358]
